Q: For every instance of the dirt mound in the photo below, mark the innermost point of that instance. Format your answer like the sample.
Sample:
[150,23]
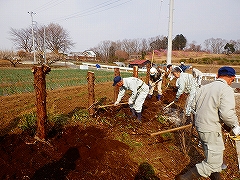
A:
[74,153]
[115,146]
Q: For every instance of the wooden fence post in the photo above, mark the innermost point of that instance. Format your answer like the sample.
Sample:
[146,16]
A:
[148,73]
[91,94]
[40,89]
[135,71]
[116,88]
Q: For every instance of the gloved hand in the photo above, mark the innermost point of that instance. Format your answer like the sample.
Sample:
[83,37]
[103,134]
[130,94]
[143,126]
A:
[176,100]
[236,130]
[130,102]
[116,103]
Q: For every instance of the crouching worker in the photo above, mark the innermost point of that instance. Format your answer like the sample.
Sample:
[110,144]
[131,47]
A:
[139,93]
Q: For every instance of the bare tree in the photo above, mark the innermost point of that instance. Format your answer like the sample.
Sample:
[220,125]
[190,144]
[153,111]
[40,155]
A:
[9,56]
[215,45]
[57,39]
[22,38]
[237,46]
[194,47]
[103,50]
[158,43]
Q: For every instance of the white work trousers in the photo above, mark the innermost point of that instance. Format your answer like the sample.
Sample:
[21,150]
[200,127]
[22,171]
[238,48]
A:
[141,96]
[189,101]
[213,146]
[153,85]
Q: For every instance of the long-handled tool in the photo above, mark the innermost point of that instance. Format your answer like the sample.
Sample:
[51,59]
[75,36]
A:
[168,105]
[110,105]
[237,142]
[171,130]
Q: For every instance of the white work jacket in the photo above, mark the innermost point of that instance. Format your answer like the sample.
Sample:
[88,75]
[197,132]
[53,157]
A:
[133,84]
[215,102]
[186,83]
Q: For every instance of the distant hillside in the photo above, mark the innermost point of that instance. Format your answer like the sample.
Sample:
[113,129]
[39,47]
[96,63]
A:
[205,62]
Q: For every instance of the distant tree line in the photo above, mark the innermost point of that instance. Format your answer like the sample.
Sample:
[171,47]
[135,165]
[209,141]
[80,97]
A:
[110,51]
[56,40]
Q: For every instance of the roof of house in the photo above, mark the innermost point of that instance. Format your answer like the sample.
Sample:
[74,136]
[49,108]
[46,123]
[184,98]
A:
[138,61]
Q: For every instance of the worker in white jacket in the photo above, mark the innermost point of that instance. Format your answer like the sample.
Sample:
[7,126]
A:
[197,74]
[185,83]
[139,93]
[156,77]
[214,104]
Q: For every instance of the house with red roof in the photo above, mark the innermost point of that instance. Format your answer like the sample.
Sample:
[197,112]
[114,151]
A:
[139,63]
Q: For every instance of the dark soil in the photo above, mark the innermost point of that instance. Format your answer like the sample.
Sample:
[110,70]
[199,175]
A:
[115,146]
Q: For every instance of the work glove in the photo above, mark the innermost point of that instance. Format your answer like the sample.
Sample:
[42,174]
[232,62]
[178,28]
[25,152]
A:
[116,103]
[236,130]
[130,102]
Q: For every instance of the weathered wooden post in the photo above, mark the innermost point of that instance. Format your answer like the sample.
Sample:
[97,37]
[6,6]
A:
[148,73]
[116,88]
[135,71]
[40,90]
[91,95]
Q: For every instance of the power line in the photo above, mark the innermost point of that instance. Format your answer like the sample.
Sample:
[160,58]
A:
[93,10]
[48,5]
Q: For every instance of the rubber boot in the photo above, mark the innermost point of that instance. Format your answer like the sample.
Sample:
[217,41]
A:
[139,116]
[149,96]
[191,174]
[133,113]
[159,97]
[215,176]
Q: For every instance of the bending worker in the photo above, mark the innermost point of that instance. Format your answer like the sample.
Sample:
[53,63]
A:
[214,104]
[197,74]
[139,93]
[156,77]
[185,83]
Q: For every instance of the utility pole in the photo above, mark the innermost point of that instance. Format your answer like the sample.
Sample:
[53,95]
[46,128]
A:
[33,40]
[170,24]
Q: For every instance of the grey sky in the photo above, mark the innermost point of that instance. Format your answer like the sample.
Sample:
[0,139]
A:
[91,21]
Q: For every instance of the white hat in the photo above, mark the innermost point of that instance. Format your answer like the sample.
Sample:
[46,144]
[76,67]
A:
[153,71]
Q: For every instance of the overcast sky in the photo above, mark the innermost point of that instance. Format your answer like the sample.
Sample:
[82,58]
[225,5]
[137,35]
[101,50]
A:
[91,21]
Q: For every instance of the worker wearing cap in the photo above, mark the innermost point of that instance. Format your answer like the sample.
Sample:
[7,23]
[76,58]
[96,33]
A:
[156,77]
[185,83]
[183,67]
[139,93]
[214,103]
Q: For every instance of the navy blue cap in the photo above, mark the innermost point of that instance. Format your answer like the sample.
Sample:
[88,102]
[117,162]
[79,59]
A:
[226,71]
[116,80]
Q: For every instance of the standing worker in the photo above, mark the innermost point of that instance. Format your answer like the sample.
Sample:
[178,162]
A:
[139,93]
[197,74]
[214,104]
[185,84]
[156,77]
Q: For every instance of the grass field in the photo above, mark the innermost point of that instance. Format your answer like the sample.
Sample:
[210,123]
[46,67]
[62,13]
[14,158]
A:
[14,81]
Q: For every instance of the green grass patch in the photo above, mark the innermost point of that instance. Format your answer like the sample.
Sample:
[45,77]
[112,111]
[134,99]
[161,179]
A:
[125,138]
